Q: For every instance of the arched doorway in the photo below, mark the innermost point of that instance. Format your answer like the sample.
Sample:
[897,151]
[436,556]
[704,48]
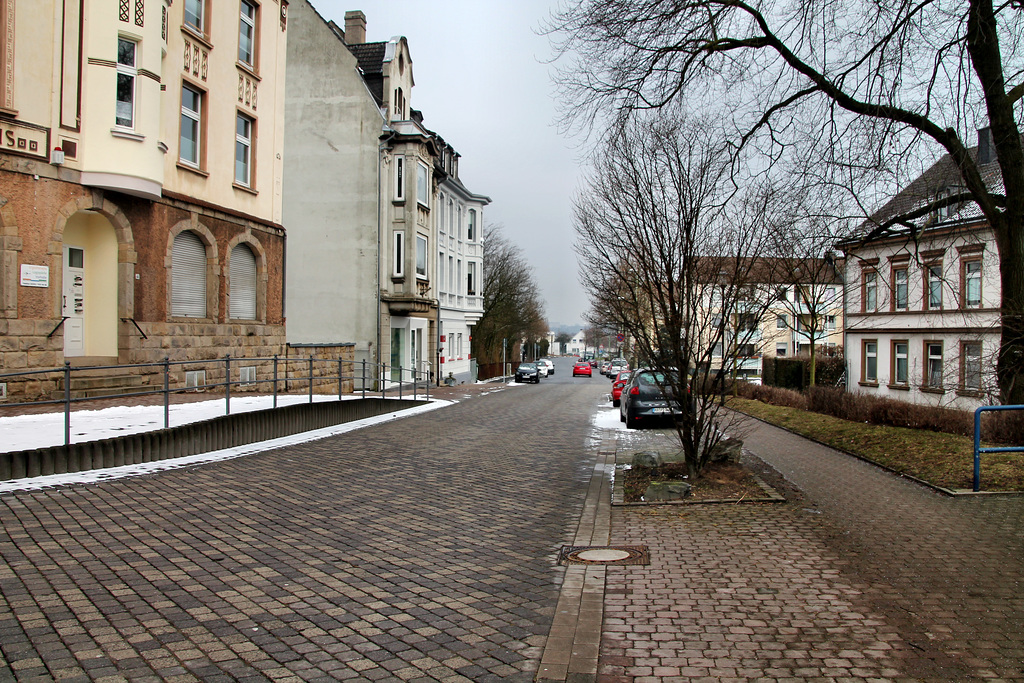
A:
[90,279]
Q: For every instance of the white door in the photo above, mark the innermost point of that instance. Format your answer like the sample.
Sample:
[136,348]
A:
[73,302]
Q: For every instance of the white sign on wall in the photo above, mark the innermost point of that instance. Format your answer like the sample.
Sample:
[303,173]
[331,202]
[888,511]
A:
[35,276]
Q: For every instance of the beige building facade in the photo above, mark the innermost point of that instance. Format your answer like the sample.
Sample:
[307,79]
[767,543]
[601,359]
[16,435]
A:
[140,181]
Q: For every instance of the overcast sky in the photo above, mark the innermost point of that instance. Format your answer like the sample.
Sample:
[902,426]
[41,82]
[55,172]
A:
[482,84]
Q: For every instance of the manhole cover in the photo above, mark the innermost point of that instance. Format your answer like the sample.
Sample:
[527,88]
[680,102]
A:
[604,554]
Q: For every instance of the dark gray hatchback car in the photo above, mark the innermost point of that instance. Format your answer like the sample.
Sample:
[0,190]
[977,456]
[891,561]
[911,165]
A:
[648,397]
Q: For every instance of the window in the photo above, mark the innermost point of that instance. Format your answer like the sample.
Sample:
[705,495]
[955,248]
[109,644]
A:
[440,271]
[400,178]
[933,367]
[451,218]
[716,350]
[471,226]
[421,256]
[247,34]
[745,351]
[900,366]
[869,367]
[422,177]
[933,284]
[191,126]
[195,15]
[782,294]
[972,284]
[242,291]
[126,73]
[471,278]
[451,275]
[970,366]
[458,223]
[869,298]
[458,265]
[188,276]
[243,150]
[781,322]
[899,289]
[399,265]
[746,322]
[830,323]
[780,349]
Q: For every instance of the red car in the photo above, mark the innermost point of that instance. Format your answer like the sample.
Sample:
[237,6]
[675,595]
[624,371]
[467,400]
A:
[581,368]
[618,383]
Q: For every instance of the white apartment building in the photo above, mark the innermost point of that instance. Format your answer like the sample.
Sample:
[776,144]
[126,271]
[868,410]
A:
[460,265]
[923,314]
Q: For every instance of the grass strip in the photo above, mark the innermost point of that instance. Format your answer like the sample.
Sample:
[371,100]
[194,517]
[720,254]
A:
[945,460]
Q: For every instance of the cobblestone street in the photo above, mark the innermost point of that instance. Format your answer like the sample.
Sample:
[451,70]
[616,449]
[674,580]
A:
[424,549]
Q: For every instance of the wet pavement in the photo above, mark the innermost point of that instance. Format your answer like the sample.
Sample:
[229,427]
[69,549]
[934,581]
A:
[425,549]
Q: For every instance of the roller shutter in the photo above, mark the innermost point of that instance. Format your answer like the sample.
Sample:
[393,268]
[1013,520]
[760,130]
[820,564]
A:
[188,276]
[243,283]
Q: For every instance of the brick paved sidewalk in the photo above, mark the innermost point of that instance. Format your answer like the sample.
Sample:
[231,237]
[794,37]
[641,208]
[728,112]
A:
[861,575]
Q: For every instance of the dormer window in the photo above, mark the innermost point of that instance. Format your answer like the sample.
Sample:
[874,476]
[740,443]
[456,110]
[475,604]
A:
[949,210]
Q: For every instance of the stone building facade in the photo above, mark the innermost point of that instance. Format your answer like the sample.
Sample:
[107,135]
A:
[141,202]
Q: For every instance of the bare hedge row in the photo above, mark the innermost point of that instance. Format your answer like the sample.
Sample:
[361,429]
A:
[1006,428]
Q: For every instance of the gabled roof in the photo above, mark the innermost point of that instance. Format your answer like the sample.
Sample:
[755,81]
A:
[370,56]
[941,177]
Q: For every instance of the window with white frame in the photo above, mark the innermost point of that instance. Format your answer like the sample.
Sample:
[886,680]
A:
[451,217]
[830,323]
[933,283]
[127,71]
[869,296]
[972,283]
[471,278]
[782,293]
[781,322]
[781,348]
[899,289]
[243,150]
[247,33]
[398,269]
[440,271]
[900,362]
[421,256]
[195,15]
[423,184]
[190,145]
[459,222]
[869,366]
[451,275]
[933,364]
[471,225]
[970,366]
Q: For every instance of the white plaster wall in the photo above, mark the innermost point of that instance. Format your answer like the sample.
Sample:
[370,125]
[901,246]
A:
[330,189]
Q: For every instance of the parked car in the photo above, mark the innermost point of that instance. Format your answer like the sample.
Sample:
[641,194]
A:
[617,365]
[547,365]
[528,372]
[582,368]
[647,397]
[618,383]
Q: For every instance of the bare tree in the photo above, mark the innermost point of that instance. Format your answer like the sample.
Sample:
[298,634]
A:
[873,90]
[512,304]
[665,248]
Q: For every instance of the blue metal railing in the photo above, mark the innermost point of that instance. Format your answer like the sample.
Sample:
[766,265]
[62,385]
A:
[978,450]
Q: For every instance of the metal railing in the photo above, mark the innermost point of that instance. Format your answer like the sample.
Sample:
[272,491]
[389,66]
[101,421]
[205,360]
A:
[978,450]
[313,372]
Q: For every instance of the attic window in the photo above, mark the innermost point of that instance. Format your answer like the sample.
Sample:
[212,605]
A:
[945,211]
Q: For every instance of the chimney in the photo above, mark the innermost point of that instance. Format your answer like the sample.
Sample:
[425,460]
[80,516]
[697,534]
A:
[986,146]
[355,28]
